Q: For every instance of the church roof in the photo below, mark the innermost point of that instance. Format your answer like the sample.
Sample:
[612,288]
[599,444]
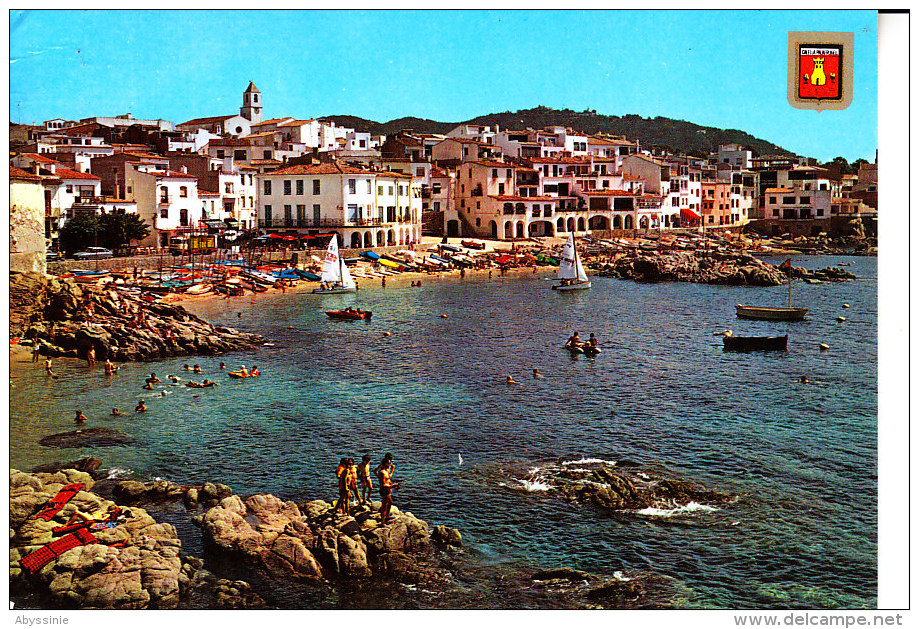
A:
[251,88]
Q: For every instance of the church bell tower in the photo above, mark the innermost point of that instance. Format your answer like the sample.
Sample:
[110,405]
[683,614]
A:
[252,104]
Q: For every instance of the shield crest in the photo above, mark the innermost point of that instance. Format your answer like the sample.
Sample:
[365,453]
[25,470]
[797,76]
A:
[819,76]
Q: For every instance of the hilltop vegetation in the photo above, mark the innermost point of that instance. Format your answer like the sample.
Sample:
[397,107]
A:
[676,135]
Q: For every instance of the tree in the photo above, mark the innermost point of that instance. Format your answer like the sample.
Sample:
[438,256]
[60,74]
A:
[79,232]
[118,229]
[88,229]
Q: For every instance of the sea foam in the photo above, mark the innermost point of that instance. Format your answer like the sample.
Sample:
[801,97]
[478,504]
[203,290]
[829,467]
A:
[666,513]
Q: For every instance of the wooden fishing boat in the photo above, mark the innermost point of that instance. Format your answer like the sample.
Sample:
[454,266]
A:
[755,343]
[472,244]
[351,315]
[765,313]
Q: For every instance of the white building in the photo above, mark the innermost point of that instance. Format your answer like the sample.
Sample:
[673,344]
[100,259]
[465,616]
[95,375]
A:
[365,208]
[168,201]
[735,155]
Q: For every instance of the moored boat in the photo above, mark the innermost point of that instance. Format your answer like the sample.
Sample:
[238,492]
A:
[349,314]
[763,313]
[755,343]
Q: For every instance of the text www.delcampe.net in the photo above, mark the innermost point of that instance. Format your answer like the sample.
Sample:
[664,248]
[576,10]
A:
[820,620]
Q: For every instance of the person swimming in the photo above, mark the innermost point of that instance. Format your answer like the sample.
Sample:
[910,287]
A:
[80,418]
[152,378]
[510,380]
[254,371]
[116,413]
[536,373]
[186,367]
[197,369]
[223,365]
[173,378]
[141,407]
[109,367]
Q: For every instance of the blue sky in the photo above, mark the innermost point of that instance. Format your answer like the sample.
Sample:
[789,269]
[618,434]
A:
[716,68]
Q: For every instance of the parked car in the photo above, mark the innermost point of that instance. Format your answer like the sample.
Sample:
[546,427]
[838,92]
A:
[52,256]
[93,253]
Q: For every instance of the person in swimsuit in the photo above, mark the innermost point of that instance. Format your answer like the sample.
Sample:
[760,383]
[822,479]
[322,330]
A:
[80,418]
[344,487]
[352,483]
[197,369]
[48,367]
[116,413]
[141,407]
[110,369]
[574,340]
[363,473]
[384,475]
[254,371]
[153,378]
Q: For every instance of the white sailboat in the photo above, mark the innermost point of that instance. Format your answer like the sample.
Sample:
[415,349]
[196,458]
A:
[335,275]
[570,270]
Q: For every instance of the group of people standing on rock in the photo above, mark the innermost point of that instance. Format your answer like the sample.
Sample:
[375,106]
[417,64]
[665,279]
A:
[348,476]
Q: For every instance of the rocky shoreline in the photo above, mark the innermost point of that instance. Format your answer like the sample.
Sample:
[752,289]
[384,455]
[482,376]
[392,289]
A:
[67,319]
[139,563]
[728,268]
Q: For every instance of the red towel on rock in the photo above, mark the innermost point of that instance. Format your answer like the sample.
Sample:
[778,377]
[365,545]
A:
[57,503]
[37,559]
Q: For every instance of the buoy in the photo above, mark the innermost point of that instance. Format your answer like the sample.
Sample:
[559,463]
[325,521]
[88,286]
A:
[386,334]
[443,316]
[845,305]
[824,347]
[840,319]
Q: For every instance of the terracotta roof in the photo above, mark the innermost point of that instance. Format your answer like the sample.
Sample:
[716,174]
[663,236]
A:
[206,121]
[265,161]
[296,123]
[505,197]
[270,121]
[171,174]
[581,159]
[493,164]
[20,174]
[38,157]
[251,88]
[204,193]
[609,193]
[66,173]
[779,189]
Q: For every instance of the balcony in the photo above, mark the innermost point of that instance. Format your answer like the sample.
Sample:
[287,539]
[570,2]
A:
[166,199]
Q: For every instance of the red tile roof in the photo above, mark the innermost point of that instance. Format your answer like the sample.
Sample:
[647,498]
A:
[206,121]
[609,193]
[22,175]
[321,169]
[66,173]
[505,197]
[42,159]
[273,121]
[296,123]
[488,163]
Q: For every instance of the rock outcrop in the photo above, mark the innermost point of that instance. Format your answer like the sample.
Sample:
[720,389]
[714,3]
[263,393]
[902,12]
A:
[135,565]
[87,437]
[610,488]
[735,269]
[309,541]
[67,319]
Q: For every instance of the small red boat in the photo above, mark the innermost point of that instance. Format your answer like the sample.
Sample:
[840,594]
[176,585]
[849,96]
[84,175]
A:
[349,314]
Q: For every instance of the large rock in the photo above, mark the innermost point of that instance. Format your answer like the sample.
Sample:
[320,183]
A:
[134,565]
[310,540]
[86,437]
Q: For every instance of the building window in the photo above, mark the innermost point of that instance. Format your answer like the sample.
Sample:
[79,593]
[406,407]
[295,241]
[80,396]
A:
[183,192]
[268,187]
[301,215]
[220,154]
[288,219]
[69,188]
[819,211]
[242,180]
[788,200]
[392,190]
[805,201]
[436,206]
[287,186]
[369,186]
[266,154]
[164,213]
[239,155]
[380,190]
[315,186]
[352,186]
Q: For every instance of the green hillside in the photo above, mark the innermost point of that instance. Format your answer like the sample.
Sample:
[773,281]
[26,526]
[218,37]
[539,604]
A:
[676,135]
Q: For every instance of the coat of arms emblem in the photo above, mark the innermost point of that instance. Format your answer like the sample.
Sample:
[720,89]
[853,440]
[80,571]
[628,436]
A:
[819,75]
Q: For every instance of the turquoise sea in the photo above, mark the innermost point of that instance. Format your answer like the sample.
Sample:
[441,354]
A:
[662,396]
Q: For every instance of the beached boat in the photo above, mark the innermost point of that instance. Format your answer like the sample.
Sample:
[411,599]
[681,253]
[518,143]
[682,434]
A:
[335,277]
[198,289]
[764,313]
[472,244]
[755,343]
[259,276]
[349,314]
[570,270]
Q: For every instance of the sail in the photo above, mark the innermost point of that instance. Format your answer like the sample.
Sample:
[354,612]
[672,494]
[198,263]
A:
[582,274]
[346,280]
[568,264]
[331,266]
